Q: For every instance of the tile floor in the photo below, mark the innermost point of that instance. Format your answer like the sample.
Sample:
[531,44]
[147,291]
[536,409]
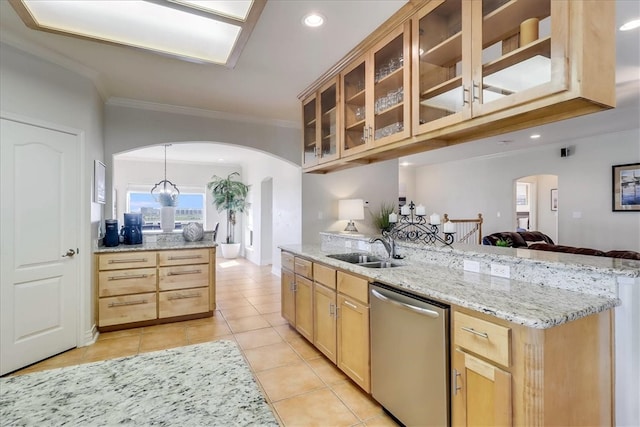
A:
[300,384]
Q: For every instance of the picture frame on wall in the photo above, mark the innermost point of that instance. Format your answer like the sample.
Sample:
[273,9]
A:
[554,199]
[99,182]
[625,187]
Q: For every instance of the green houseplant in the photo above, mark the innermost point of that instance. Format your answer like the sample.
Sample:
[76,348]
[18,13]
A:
[381,216]
[229,195]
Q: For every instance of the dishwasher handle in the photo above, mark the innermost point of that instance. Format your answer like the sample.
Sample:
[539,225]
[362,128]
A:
[419,310]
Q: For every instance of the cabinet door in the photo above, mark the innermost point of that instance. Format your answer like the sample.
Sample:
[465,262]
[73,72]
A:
[441,65]
[288,296]
[481,392]
[353,341]
[329,121]
[304,307]
[519,52]
[391,118]
[355,80]
[324,320]
[310,131]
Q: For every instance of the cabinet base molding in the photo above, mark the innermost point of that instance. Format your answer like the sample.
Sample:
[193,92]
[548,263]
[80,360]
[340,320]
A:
[154,322]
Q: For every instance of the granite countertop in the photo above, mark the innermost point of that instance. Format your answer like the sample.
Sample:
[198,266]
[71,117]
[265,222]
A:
[157,246]
[204,384]
[528,304]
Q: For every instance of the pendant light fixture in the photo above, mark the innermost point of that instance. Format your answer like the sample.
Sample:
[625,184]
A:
[165,192]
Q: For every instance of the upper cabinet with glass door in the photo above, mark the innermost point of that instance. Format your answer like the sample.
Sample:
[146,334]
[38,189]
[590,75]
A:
[321,118]
[375,111]
[476,57]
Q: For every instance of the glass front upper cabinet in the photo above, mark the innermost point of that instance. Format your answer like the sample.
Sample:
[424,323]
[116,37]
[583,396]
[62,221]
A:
[375,93]
[321,116]
[475,57]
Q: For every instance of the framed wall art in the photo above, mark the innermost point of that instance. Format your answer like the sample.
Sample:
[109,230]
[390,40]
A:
[554,199]
[99,184]
[626,187]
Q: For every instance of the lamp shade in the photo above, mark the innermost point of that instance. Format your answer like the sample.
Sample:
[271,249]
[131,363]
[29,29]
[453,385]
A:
[351,209]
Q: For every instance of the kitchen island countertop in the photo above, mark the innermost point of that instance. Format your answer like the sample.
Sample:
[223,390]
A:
[528,304]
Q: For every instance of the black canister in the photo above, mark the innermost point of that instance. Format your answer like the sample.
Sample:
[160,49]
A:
[111,237]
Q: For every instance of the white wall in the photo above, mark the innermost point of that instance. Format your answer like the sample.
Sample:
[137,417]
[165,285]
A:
[286,223]
[375,183]
[485,185]
[41,90]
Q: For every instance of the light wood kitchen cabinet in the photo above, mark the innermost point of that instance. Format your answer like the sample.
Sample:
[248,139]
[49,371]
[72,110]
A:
[374,86]
[508,374]
[140,288]
[183,282]
[481,391]
[288,294]
[325,310]
[321,117]
[470,69]
[474,58]
[304,307]
[353,329]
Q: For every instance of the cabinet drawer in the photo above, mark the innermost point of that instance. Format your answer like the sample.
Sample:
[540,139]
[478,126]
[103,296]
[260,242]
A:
[184,256]
[119,261]
[183,302]
[353,286]
[126,309]
[303,267]
[287,260]
[123,282]
[483,338]
[324,275]
[181,277]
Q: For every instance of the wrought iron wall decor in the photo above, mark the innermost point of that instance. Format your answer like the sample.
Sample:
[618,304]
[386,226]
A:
[418,228]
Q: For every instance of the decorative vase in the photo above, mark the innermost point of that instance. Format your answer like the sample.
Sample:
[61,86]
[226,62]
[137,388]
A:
[168,218]
[193,232]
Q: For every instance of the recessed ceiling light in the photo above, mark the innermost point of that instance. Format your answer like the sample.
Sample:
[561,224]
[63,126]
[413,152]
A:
[535,136]
[313,19]
[630,25]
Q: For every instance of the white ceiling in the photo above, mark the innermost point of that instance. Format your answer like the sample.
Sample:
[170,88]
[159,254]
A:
[281,58]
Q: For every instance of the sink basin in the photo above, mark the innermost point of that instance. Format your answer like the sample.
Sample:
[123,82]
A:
[364,260]
[355,258]
[379,264]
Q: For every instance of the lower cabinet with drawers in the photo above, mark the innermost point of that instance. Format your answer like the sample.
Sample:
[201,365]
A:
[329,308]
[508,374]
[140,288]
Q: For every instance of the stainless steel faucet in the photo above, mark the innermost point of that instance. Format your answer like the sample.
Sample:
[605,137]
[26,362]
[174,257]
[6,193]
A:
[389,245]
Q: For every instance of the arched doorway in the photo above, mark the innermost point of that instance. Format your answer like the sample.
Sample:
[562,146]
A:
[536,204]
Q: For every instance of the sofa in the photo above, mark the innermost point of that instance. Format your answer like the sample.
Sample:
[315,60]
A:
[538,241]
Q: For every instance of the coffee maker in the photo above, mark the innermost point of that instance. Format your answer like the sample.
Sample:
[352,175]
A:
[111,237]
[132,230]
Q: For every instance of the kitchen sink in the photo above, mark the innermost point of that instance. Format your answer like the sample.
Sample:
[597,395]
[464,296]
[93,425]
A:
[355,258]
[379,264]
[364,260]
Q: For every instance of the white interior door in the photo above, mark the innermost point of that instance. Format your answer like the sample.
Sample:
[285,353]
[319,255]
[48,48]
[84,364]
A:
[39,220]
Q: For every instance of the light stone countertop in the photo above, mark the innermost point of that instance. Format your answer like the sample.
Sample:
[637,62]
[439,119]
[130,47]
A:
[529,304]
[157,246]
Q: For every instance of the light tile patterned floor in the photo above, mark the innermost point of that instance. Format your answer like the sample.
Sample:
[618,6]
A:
[301,385]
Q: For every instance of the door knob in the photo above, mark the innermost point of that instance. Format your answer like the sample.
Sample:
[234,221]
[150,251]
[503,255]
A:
[69,253]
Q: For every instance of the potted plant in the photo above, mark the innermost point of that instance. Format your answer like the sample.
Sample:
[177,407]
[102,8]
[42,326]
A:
[168,202]
[381,217]
[229,195]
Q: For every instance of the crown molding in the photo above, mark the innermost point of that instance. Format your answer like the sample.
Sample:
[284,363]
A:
[198,112]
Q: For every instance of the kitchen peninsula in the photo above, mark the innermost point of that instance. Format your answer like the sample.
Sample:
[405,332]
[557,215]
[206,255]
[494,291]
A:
[544,349]
[164,279]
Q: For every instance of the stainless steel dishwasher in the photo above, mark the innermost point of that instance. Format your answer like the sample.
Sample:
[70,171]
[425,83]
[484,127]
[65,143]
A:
[410,356]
